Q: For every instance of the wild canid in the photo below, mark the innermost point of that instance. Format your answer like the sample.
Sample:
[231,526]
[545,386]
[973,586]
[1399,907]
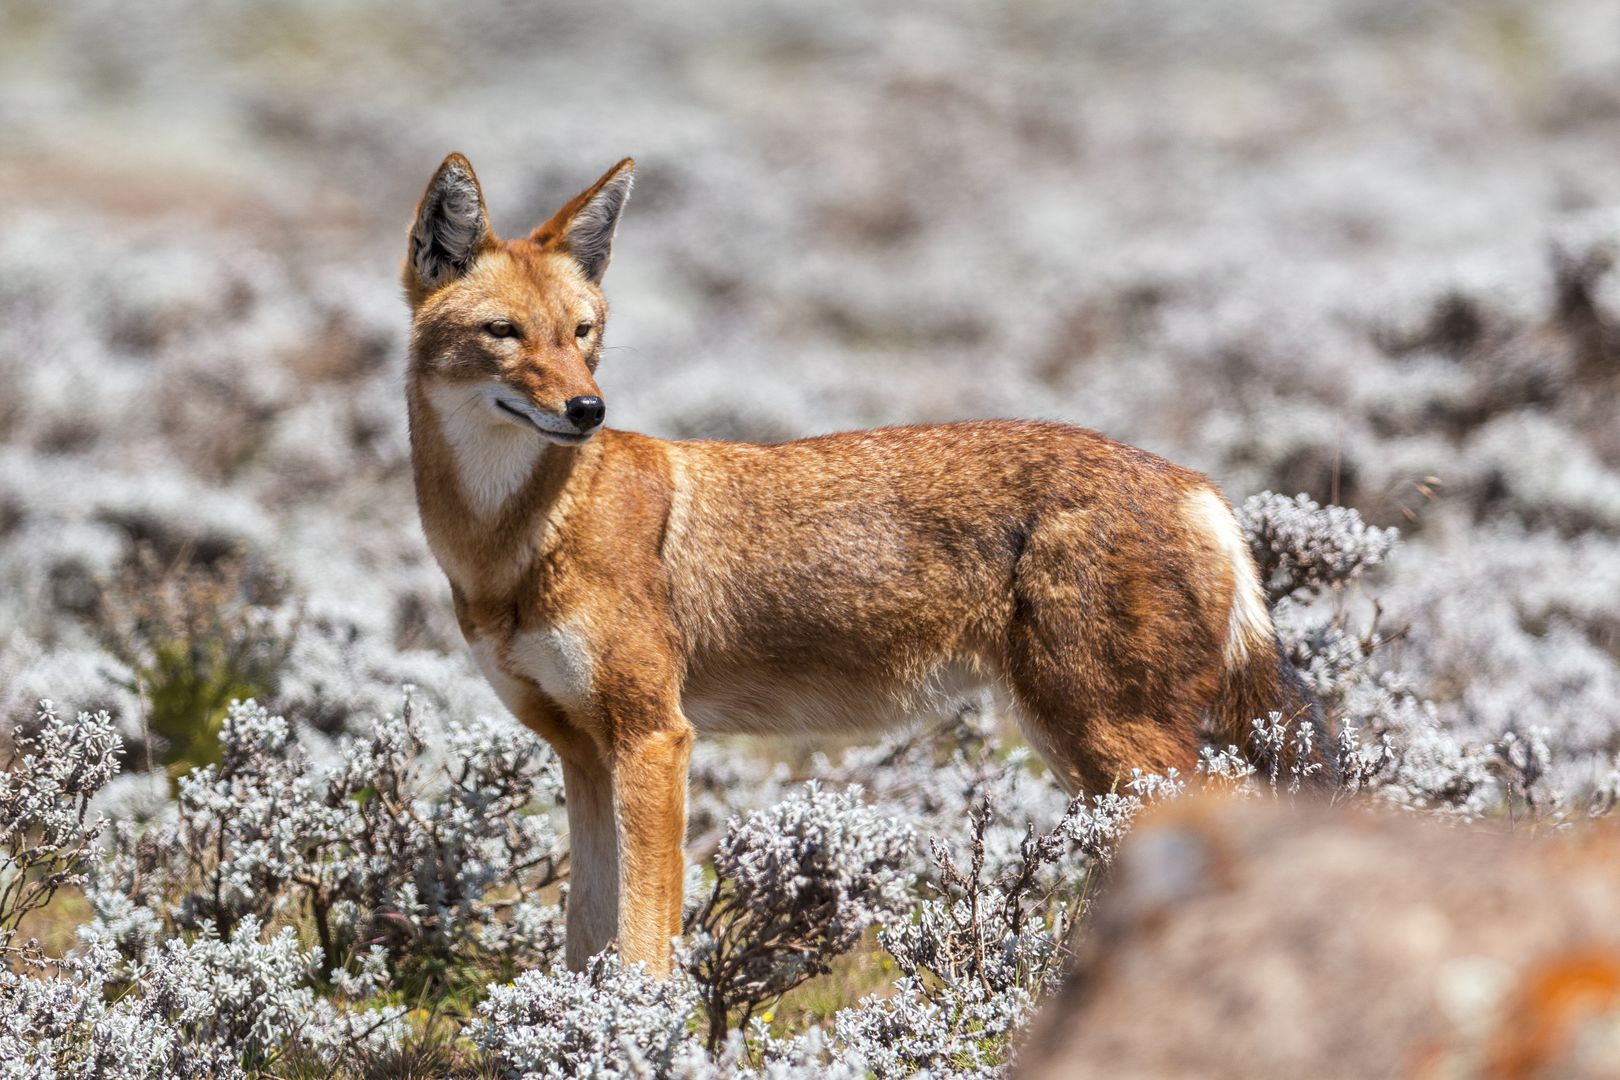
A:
[623,593]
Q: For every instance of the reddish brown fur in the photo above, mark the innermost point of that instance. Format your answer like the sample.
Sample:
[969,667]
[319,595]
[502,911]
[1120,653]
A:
[631,591]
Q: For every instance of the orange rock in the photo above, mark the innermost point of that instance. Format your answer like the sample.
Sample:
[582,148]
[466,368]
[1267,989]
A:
[1257,939]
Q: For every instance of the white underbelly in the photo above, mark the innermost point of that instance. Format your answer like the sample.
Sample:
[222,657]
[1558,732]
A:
[827,705]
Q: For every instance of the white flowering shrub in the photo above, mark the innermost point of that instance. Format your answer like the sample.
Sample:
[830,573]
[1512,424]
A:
[795,886]
[382,847]
[53,770]
[1301,547]
[64,1026]
[609,1020]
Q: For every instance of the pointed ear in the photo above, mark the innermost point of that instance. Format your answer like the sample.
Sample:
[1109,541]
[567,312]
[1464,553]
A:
[584,228]
[452,226]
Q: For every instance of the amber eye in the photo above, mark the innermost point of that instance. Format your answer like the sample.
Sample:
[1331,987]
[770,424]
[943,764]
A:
[582,330]
[500,328]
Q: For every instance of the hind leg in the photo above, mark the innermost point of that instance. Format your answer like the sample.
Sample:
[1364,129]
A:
[1109,653]
[1095,754]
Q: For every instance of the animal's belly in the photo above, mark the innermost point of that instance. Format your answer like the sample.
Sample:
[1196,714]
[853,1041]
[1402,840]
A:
[755,704]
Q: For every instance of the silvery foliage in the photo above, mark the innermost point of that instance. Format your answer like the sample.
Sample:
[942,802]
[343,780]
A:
[920,1031]
[1287,749]
[184,1009]
[944,771]
[1308,554]
[1389,739]
[608,1020]
[51,774]
[63,1026]
[76,679]
[339,677]
[613,1020]
[795,886]
[722,784]
[755,1054]
[979,953]
[254,997]
[1303,547]
[382,845]
[203,1008]
[1310,557]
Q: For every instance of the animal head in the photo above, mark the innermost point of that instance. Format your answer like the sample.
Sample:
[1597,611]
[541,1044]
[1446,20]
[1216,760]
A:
[509,332]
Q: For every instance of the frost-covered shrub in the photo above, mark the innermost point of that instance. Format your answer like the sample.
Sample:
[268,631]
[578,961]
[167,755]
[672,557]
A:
[609,1020]
[795,886]
[964,1032]
[199,1009]
[1302,547]
[52,771]
[382,846]
[63,1026]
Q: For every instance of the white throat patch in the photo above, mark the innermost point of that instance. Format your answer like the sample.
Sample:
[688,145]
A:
[493,458]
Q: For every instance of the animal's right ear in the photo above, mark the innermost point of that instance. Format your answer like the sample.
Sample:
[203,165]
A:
[452,227]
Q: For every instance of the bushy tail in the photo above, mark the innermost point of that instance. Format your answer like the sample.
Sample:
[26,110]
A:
[1257,679]
[1261,684]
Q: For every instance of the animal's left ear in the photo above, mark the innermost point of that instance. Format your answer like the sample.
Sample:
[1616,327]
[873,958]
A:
[584,228]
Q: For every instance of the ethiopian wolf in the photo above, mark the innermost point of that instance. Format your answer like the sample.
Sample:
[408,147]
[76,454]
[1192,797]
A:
[624,594]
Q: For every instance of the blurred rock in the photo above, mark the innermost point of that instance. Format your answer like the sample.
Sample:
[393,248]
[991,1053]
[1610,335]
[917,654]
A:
[1252,939]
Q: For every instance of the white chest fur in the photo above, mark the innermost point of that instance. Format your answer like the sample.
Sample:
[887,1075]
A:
[556,658]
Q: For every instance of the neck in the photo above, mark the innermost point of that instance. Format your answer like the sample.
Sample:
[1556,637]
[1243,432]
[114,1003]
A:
[492,495]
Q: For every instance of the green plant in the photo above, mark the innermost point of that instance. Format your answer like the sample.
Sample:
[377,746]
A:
[198,635]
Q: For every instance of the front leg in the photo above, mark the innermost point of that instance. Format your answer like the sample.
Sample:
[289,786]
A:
[593,845]
[650,756]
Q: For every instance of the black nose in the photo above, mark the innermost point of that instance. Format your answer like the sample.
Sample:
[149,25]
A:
[585,413]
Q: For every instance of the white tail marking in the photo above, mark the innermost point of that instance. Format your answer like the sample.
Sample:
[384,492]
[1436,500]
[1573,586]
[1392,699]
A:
[1249,624]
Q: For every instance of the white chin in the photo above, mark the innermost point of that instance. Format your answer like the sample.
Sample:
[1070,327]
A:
[566,439]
